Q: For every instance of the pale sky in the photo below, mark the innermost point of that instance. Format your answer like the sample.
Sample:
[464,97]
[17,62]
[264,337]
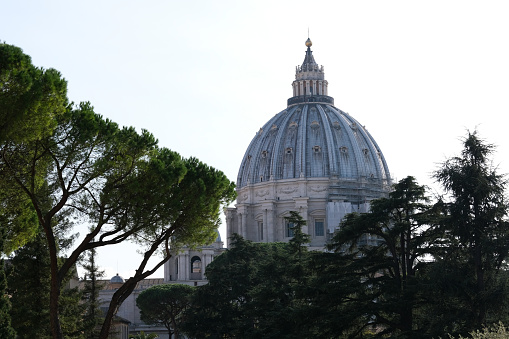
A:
[204,76]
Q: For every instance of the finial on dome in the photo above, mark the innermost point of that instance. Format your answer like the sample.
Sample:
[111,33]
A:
[309,43]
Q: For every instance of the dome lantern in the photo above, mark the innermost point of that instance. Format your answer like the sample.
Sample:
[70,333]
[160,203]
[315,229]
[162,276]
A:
[310,84]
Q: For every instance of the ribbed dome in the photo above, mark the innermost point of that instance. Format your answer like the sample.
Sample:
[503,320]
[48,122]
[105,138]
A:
[311,158]
[312,140]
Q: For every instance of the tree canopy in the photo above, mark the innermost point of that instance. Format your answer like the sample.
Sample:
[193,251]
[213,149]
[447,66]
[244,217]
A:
[30,97]
[118,181]
[254,290]
[165,305]
[474,231]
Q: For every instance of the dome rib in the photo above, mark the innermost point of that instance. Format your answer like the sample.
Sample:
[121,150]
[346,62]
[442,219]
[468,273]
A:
[329,141]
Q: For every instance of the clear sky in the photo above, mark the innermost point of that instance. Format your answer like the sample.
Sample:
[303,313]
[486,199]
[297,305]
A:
[204,76]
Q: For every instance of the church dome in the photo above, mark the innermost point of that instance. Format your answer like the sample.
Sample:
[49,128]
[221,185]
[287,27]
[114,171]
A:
[311,138]
[117,279]
[312,158]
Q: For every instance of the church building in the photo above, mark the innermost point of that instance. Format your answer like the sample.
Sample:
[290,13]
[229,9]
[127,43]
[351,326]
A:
[311,158]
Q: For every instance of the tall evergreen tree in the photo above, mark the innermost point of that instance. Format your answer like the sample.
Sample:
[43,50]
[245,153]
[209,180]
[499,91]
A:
[90,295]
[29,287]
[475,232]
[383,251]
[28,284]
[6,330]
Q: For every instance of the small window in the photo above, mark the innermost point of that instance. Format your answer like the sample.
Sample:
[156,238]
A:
[319,228]
[289,150]
[316,149]
[264,154]
[289,229]
[260,228]
[177,266]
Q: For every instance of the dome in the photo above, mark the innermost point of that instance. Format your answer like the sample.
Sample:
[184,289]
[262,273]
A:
[312,140]
[117,280]
[311,158]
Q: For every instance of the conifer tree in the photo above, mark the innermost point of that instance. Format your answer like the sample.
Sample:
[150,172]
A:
[90,295]
[475,247]
[6,330]
[383,251]
[29,287]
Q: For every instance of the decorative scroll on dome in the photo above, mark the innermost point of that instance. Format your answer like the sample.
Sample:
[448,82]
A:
[336,125]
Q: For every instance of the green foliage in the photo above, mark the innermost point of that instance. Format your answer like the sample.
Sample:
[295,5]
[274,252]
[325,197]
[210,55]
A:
[165,305]
[383,252]
[118,181]
[90,296]
[29,287]
[474,243]
[31,100]
[30,97]
[6,330]
[255,290]
[30,306]
[498,331]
